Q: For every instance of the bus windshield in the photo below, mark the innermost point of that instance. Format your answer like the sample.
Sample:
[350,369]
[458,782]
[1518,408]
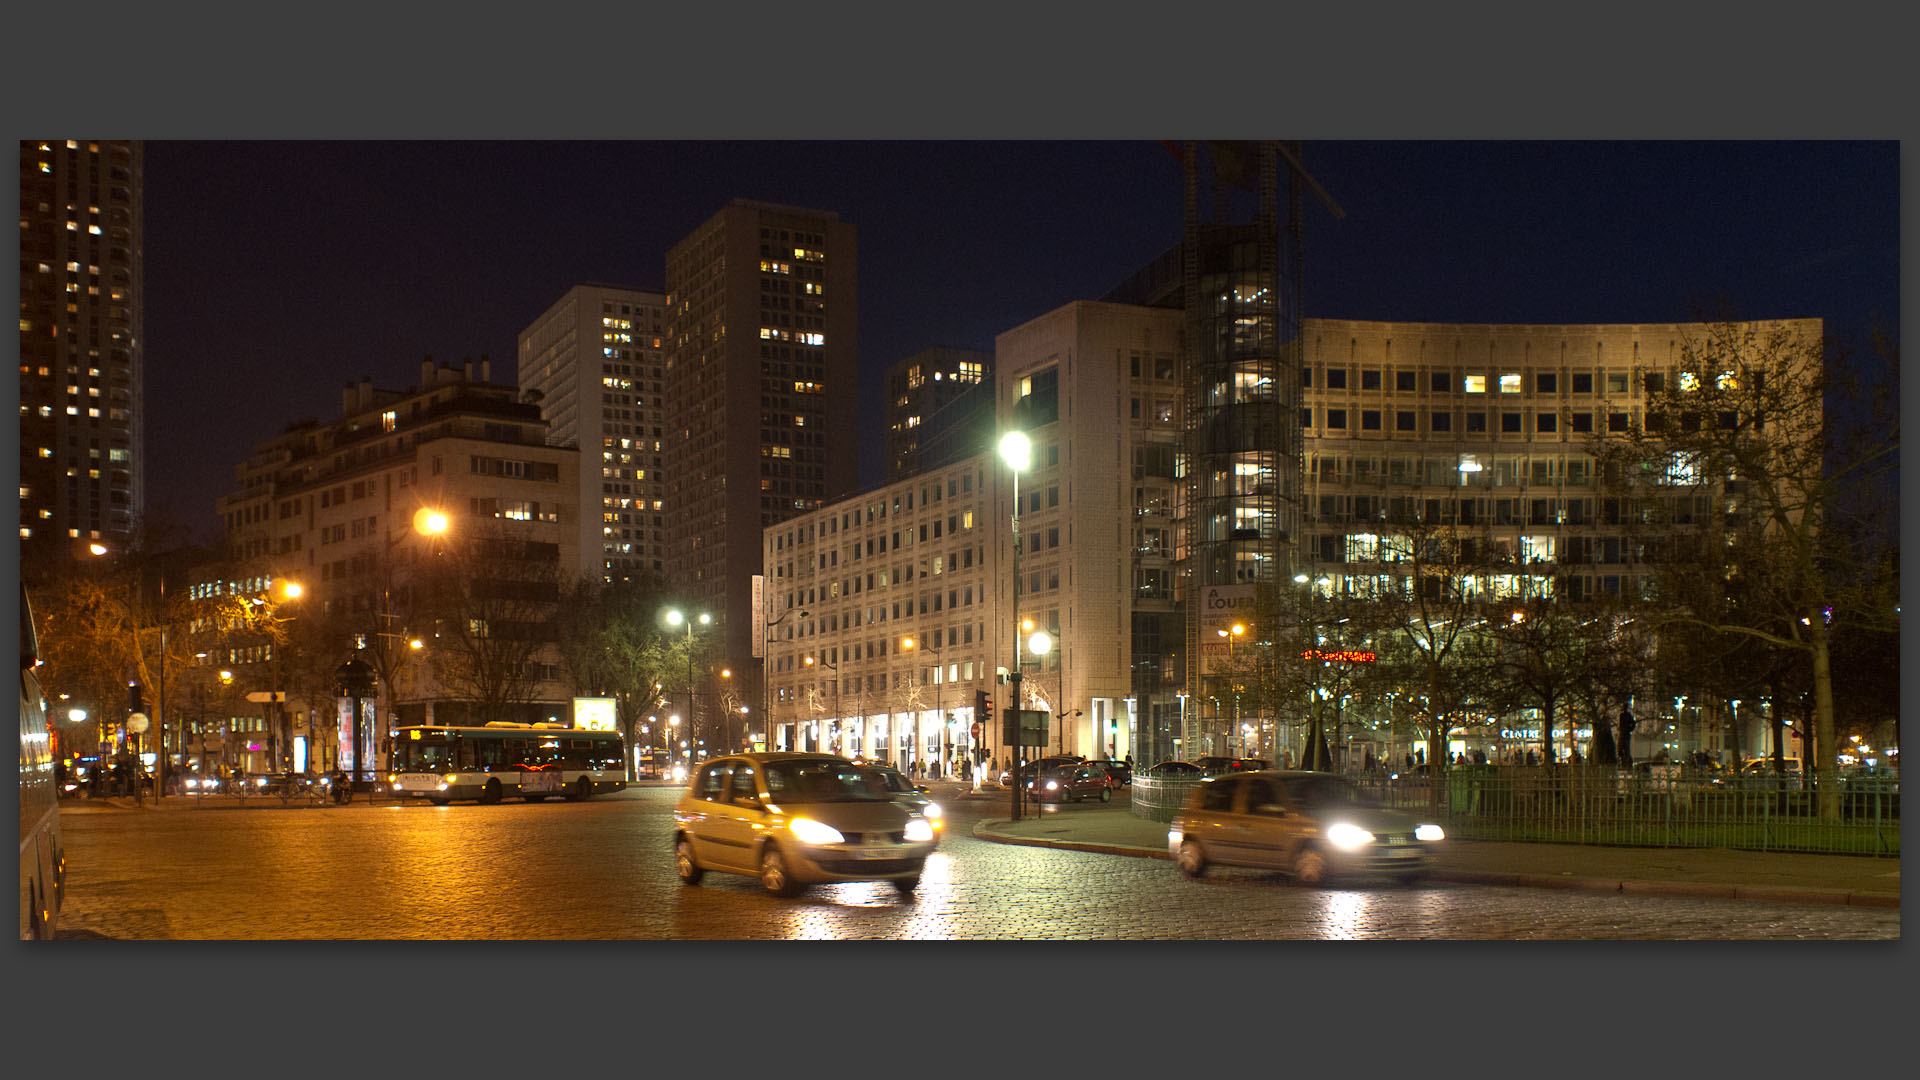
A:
[823,781]
[425,754]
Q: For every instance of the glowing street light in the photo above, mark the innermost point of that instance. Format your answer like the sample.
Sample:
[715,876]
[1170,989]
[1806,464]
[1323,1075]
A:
[676,617]
[1017,451]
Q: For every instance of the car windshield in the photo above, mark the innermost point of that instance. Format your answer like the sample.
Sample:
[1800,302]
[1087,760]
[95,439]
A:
[824,781]
[1325,792]
[891,779]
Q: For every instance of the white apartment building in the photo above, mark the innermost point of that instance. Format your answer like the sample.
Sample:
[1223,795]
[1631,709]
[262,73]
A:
[1095,387]
[594,362]
[848,586]
[334,507]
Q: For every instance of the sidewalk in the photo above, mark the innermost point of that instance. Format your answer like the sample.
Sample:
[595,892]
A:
[1782,877]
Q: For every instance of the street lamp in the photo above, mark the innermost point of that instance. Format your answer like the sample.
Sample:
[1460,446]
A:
[910,644]
[676,617]
[1017,451]
[278,590]
[1235,631]
[811,661]
[766,661]
[431,523]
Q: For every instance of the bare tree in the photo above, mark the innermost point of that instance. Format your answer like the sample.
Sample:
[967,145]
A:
[1744,425]
[495,597]
[613,647]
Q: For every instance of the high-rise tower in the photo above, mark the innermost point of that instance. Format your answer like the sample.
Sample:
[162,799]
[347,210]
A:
[594,362]
[761,361]
[81,451]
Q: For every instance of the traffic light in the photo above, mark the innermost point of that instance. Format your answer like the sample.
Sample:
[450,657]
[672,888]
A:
[134,703]
[982,706]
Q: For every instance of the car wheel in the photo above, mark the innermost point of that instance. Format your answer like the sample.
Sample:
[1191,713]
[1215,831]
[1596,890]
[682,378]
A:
[1069,795]
[683,863]
[1192,862]
[774,876]
[492,793]
[905,886]
[1310,867]
[1106,794]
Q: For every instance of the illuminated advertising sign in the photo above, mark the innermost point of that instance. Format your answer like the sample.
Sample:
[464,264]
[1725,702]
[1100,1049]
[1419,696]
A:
[594,714]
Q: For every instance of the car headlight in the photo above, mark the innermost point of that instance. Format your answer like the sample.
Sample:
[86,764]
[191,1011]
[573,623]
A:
[262,782]
[1429,832]
[1348,836]
[932,810]
[809,831]
[918,829]
[1052,784]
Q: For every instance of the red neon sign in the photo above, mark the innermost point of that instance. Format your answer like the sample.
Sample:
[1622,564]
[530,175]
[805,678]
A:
[1350,656]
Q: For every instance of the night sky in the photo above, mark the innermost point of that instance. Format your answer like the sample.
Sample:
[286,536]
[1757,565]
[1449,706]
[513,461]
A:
[276,272]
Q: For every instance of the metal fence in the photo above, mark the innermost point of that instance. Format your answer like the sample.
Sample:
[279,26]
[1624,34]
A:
[1159,799]
[1604,806]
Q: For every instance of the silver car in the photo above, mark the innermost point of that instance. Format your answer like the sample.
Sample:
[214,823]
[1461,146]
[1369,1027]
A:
[794,820]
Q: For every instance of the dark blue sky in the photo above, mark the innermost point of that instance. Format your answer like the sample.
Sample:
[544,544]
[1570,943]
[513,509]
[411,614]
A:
[279,271]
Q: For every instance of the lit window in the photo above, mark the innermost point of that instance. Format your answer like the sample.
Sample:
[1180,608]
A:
[1476,384]
[1509,384]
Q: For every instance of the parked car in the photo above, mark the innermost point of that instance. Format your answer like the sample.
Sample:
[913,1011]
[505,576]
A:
[1312,826]
[909,794]
[1870,792]
[1119,772]
[1070,783]
[1216,766]
[1035,768]
[1175,770]
[795,819]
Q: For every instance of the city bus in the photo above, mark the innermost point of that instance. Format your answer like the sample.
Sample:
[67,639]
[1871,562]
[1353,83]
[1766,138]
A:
[43,860]
[527,761]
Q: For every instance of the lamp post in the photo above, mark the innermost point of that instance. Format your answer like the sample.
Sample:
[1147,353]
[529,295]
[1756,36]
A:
[676,617]
[428,522]
[910,644]
[766,662]
[812,661]
[1017,451]
[1232,632]
[274,705]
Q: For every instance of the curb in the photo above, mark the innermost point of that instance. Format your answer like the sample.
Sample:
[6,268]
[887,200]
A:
[1779,894]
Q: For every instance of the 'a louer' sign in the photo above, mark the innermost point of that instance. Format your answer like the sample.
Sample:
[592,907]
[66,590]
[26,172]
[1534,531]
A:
[1222,605]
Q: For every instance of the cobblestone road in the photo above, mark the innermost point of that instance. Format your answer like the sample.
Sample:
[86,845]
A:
[603,870]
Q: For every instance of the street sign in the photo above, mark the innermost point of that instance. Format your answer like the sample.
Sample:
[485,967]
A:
[976,730]
[261,697]
[1031,729]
